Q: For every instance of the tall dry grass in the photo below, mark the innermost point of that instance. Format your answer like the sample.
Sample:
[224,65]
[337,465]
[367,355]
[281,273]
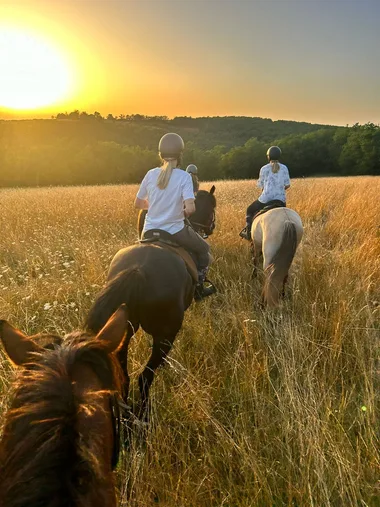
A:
[253,408]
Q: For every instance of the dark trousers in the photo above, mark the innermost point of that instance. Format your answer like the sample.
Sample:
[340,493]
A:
[257,206]
[191,241]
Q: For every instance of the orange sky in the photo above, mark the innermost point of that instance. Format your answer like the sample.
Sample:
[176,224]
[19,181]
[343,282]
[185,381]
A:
[306,61]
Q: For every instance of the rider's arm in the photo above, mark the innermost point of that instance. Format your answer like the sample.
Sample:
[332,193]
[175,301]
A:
[260,181]
[189,207]
[286,179]
[141,203]
[188,195]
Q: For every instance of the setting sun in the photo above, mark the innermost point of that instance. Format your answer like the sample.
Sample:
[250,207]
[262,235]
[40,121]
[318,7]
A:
[33,72]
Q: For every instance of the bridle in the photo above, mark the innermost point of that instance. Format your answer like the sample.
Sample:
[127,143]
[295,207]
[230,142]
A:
[203,227]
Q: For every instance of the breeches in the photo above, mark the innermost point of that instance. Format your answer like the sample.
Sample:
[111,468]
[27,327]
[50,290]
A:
[191,241]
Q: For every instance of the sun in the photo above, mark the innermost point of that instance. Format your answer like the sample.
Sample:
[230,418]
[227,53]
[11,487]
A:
[33,72]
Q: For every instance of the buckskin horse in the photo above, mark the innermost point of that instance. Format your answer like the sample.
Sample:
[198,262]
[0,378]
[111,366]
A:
[157,288]
[60,441]
[275,234]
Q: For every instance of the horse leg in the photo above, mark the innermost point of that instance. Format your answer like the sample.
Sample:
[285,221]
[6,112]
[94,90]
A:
[283,286]
[161,348]
[141,221]
[256,255]
[122,356]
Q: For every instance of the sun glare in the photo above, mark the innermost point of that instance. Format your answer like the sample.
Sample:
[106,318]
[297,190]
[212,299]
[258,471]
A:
[33,73]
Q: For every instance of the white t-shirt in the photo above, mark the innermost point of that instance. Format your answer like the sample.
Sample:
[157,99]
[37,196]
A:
[166,208]
[273,184]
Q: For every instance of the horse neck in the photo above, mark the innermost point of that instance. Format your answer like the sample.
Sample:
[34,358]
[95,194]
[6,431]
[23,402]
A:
[57,441]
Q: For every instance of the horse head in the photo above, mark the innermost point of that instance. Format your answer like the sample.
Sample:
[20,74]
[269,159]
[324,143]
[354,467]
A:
[204,217]
[61,434]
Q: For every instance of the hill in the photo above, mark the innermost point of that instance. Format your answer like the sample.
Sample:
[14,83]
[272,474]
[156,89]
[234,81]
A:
[81,148]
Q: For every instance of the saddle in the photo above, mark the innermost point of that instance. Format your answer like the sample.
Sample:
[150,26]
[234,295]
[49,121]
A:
[270,205]
[164,239]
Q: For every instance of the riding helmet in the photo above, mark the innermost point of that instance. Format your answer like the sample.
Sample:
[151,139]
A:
[171,145]
[192,169]
[274,153]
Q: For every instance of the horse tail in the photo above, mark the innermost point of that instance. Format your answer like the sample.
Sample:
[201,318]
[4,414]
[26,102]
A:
[141,221]
[127,287]
[277,270]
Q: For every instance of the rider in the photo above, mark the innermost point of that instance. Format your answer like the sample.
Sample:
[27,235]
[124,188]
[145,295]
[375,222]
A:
[167,193]
[193,171]
[274,180]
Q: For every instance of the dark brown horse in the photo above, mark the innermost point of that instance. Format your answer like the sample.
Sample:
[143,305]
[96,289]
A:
[202,221]
[157,288]
[60,440]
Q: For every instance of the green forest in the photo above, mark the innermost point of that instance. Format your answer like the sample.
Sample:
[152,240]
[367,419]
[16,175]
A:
[78,148]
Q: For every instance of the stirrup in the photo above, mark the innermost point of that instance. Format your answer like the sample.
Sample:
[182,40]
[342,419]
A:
[202,292]
[245,234]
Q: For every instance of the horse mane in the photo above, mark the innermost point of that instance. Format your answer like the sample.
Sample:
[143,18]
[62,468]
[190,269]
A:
[44,460]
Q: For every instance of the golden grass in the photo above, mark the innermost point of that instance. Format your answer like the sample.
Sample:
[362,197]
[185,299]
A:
[253,408]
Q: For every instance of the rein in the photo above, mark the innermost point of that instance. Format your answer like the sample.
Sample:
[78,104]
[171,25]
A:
[116,428]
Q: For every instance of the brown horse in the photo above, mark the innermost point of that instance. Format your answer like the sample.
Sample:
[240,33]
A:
[157,288]
[60,440]
[202,221]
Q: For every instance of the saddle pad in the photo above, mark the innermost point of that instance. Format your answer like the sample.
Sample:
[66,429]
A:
[184,254]
[269,206]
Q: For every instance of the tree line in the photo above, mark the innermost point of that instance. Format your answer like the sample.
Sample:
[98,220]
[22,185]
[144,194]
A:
[69,151]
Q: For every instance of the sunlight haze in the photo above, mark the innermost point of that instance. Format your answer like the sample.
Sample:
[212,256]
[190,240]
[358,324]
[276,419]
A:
[312,61]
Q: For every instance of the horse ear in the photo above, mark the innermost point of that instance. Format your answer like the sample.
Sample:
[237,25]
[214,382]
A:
[212,190]
[17,345]
[114,331]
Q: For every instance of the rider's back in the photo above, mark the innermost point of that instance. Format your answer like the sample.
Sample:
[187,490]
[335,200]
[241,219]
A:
[273,183]
[166,205]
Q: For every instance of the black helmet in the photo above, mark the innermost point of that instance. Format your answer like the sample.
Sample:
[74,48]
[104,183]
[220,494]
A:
[274,153]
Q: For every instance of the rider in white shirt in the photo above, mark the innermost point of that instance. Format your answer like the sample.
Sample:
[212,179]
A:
[274,181]
[167,193]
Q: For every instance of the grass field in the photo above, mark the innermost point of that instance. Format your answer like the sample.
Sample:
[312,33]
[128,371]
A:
[253,408]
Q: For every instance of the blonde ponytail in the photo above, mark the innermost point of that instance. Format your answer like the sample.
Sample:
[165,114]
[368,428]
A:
[166,171]
[194,177]
[275,166]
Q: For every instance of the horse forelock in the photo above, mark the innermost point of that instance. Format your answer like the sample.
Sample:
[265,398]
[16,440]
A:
[44,460]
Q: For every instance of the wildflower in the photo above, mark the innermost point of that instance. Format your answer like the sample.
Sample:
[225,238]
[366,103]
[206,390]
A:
[363,408]
[47,306]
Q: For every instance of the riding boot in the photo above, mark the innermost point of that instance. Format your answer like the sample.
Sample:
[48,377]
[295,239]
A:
[202,291]
[246,232]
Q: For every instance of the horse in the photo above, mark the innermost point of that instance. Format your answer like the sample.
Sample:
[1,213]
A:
[202,220]
[275,235]
[157,289]
[60,441]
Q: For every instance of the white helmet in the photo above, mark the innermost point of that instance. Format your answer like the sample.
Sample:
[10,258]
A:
[192,169]
[171,145]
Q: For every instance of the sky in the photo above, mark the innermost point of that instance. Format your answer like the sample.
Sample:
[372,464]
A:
[304,60]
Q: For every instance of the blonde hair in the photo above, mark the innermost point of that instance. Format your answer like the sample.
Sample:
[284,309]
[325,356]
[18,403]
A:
[168,164]
[275,166]
[194,177]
